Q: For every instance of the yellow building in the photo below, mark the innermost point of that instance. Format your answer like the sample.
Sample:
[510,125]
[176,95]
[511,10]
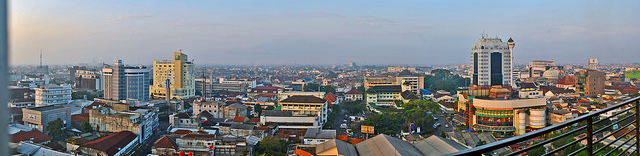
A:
[181,75]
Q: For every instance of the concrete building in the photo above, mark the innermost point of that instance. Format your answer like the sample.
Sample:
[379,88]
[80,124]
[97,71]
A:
[234,110]
[213,107]
[180,76]
[71,72]
[241,85]
[39,117]
[121,143]
[492,62]
[353,95]
[88,80]
[141,122]
[590,82]
[51,94]
[285,95]
[123,82]
[286,120]
[198,144]
[306,106]
[416,82]
[315,136]
[502,116]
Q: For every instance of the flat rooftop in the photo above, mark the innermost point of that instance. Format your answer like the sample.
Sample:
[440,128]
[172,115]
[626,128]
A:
[45,108]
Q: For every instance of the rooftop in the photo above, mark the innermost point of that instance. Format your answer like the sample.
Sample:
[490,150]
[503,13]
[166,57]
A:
[45,108]
[112,143]
[304,99]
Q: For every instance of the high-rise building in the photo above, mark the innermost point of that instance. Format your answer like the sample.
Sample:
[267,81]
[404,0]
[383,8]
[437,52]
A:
[88,80]
[180,74]
[71,72]
[492,62]
[590,82]
[123,82]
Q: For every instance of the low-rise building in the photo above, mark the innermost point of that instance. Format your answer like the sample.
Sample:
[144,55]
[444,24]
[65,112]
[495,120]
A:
[52,94]
[286,120]
[165,146]
[235,110]
[559,116]
[39,117]
[213,107]
[306,106]
[140,121]
[353,95]
[315,136]
[121,143]
[198,144]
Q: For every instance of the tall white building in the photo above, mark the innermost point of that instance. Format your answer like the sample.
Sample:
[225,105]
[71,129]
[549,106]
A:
[52,95]
[492,62]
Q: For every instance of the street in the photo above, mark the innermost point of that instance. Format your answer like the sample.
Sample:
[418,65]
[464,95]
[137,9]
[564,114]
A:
[338,122]
[442,119]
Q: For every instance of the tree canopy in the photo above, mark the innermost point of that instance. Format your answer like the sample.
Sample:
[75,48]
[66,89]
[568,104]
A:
[54,128]
[272,146]
[414,112]
[328,89]
[442,79]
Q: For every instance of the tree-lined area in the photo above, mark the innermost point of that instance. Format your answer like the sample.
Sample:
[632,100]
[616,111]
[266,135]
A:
[442,79]
[419,112]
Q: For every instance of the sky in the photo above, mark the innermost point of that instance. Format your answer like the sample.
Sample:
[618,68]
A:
[319,32]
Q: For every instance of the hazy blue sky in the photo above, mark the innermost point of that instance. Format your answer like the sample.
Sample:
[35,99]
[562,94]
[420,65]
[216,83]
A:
[320,32]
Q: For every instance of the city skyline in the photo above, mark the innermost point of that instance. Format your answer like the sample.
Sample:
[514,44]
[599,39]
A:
[73,32]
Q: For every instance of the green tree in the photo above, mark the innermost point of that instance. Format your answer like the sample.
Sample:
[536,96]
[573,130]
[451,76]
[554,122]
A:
[81,94]
[86,127]
[269,108]
[536,151]
[258,109]
[405,72]
[443,135]
[354,107]
[328,89]
[311,87]
[272,146]
[54,128]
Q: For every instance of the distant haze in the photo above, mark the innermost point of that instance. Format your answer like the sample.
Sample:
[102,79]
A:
[320,32]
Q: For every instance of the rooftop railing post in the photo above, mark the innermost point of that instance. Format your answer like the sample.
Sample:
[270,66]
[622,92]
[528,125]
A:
[589,136]
[637,124]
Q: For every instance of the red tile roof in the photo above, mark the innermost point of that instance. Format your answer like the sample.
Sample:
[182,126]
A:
[110,144]
[568,80]
[254,120]
[330,97]
[195,135]
[80,118]
[166,142]
[266,88]
[353,91]
[38,137]
[239,119]
[300,152]
[181,132]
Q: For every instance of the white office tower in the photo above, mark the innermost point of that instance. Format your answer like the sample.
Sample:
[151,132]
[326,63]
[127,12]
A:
[492,62]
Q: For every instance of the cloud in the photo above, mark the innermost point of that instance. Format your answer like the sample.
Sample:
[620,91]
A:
[126,18]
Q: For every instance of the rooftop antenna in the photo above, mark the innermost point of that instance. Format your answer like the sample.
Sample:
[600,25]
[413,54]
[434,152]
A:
[483,33]
[41,57]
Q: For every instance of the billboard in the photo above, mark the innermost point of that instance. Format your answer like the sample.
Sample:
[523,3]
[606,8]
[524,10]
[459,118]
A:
[593,61]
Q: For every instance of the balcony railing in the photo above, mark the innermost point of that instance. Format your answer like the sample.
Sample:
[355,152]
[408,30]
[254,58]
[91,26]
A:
[584,129]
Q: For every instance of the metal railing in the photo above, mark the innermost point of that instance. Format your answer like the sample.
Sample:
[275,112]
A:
[549,140]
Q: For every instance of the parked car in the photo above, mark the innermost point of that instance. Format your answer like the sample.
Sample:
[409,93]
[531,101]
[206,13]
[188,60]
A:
[343,126]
